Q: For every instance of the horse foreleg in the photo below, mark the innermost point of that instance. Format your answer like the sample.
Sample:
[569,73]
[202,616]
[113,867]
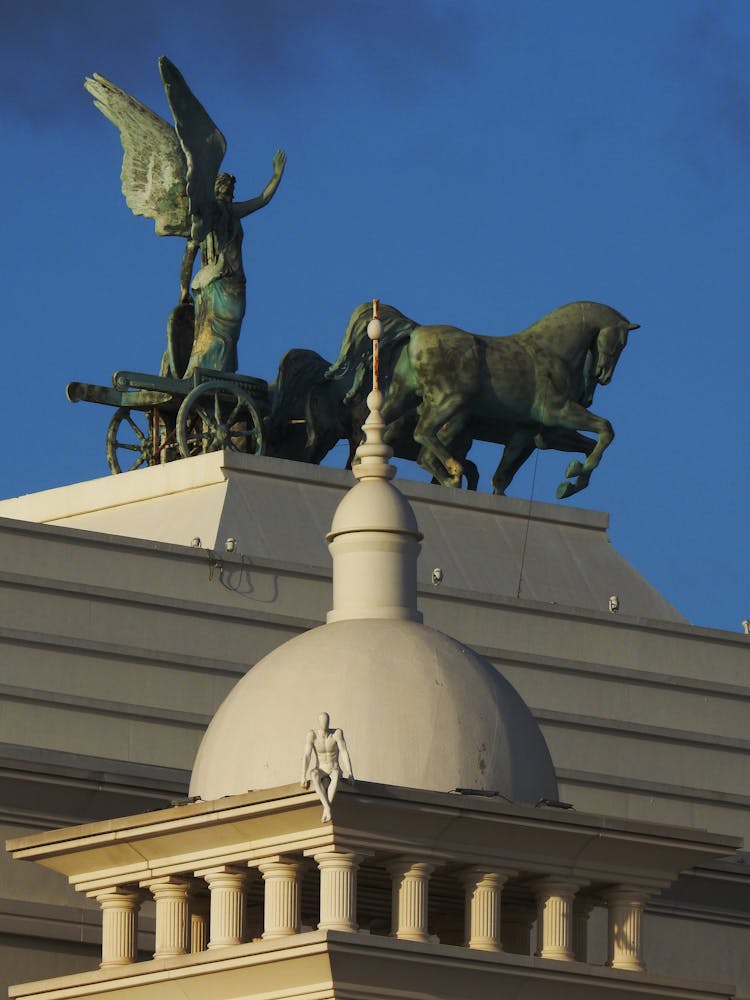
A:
[575,417]
[432,417]
[563,439]
[430,463]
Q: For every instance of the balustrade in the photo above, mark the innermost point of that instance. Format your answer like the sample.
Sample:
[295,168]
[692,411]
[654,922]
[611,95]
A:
[188,920]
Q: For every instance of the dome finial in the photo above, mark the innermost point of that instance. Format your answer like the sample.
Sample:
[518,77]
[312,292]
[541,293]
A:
[374,453]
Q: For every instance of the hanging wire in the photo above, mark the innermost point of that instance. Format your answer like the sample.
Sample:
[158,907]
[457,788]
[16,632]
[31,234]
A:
[528,524]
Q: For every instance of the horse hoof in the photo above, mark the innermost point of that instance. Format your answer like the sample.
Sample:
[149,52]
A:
[574,470]
[565,490]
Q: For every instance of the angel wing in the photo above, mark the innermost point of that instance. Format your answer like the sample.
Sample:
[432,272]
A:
[154,165]
[202,144]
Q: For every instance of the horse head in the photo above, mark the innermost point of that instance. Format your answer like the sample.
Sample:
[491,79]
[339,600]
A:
[609,345]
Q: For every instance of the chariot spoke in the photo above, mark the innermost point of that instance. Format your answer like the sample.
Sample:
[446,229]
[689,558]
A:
[233,415]
[202,413]
[138,432]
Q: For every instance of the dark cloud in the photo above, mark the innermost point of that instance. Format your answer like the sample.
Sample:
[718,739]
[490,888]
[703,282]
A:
[46,46]
[709,60]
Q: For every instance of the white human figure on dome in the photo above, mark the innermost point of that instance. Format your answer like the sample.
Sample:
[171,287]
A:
[326,760]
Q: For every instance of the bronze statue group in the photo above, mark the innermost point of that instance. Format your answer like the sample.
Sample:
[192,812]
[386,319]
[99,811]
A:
[443,387]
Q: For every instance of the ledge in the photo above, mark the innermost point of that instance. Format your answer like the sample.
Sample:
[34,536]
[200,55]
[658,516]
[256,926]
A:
[327,964]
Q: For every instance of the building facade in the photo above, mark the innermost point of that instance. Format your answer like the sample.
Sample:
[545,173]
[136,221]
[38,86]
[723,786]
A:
[132,605]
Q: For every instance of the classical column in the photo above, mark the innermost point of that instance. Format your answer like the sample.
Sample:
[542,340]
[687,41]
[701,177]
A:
[199,909]
[172,915]
[119,925]
[483,887]
[625,904]
[227,887]
[409,900]
[281,897]
[582,907]
[338,889]
[555,918]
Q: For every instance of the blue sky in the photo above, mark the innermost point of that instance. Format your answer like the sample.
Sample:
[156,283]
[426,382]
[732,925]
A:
[476,163]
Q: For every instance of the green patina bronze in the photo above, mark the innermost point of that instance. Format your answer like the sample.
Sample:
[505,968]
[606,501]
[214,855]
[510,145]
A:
[171,175]
[445,388]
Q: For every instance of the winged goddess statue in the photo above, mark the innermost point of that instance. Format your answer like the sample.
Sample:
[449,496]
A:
[171,175]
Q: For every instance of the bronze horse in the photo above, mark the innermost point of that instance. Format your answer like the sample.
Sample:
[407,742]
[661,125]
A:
[530,389]
[309,417]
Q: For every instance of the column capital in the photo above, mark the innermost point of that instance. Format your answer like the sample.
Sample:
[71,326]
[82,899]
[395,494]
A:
[119,896]
[628,895]
[556,885]
[217,871]
[492,876]
[180,883]
[279,864]
[413,866]
[331,857]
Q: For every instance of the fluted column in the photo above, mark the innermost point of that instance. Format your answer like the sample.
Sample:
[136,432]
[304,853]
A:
[409,906]
[625,946]
[483,888]
[228,901]
[172,915]
[555,918]
[199,910]
[582,907]
[338,889]
[119,925]
[281,897]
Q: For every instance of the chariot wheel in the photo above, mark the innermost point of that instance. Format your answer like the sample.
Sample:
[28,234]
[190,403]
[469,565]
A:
[215,415]
[132,444]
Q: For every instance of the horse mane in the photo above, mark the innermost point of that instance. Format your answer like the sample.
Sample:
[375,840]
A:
[355,355]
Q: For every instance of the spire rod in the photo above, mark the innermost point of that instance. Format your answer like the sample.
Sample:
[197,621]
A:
[374,453]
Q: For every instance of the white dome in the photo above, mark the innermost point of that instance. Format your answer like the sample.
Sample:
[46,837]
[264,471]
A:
[417,709]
